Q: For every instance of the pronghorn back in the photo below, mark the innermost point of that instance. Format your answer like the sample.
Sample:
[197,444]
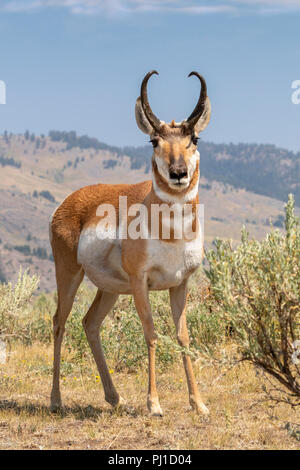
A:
[78,211]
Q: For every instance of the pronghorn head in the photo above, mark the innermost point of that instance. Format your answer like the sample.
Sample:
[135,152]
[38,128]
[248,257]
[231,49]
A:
[175,155]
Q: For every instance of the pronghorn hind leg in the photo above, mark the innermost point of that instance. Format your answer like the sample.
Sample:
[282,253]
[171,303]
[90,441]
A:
[67,285]
[178,301]
[92,322]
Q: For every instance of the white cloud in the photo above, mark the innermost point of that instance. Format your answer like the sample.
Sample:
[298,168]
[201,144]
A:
[271,3]
[196,7]
[267,6]
[206,9]
[114,6]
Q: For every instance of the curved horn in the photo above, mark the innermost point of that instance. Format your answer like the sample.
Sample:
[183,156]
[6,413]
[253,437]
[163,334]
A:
[154,121]
[200,106]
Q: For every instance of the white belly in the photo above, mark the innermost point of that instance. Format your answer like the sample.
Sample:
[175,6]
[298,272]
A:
[101,261]
[168,264]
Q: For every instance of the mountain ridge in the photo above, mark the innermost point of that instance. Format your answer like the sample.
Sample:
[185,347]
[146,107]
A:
[260,168]
[37,173]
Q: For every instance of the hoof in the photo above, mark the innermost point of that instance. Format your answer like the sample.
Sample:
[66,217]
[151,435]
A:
[116,402]
[202,410]
[121,403]
[55,407]
[199,407]
[55,402]
[155,409]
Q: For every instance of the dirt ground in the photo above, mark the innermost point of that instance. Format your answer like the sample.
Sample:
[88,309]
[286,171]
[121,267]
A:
[239,419]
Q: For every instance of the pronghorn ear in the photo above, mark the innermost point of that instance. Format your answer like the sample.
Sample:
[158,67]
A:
[204,119]
[141,119]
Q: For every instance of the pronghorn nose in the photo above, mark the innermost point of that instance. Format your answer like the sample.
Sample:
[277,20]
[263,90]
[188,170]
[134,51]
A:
[178,174]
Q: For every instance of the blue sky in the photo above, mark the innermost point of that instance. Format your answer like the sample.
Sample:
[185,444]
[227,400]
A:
[78,65]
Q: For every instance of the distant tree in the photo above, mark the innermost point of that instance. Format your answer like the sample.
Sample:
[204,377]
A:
[2,275]
[109,163]
[47,195]
[40,253]
[279,222]
[9,161]
[5,135]
[25,249]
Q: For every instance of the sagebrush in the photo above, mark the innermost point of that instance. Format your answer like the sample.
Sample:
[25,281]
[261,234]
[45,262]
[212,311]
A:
[247,297]
[256,290]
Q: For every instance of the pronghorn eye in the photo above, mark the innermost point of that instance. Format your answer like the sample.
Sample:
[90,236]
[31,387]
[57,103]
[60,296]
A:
[154,142]
[195,140]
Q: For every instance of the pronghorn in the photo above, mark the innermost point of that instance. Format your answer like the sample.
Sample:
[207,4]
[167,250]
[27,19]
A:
[128,265]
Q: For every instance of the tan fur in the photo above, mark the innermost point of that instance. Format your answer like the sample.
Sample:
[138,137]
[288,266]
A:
[139,266]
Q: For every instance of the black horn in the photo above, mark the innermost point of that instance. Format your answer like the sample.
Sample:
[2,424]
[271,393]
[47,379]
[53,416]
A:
[200,106]
[154,121]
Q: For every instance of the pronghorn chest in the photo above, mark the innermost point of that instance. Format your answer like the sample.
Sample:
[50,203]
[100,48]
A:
[168,264]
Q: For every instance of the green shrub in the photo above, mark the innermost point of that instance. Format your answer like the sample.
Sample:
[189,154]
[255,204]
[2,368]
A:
[207,331]
[43,310]
[121,333]
[256,289]
[14,307]
[75,338]
[250,294]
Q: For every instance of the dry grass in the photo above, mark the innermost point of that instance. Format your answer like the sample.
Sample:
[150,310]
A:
[238,420]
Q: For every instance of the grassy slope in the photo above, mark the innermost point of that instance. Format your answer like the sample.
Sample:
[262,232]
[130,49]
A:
[54,169]
[238,419]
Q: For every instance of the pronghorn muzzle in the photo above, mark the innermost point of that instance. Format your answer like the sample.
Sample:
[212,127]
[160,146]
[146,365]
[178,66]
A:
[178,170]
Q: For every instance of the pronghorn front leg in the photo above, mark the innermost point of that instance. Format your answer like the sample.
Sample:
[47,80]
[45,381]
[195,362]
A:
[178,301]
[141,299]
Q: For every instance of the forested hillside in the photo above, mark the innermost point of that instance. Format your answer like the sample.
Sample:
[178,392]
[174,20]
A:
[262,169]
[38,172]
